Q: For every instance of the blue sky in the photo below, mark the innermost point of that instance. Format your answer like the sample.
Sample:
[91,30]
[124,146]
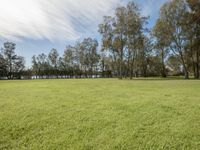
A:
[37,26]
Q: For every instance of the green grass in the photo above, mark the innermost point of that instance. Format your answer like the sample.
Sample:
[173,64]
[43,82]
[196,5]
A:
[100,114]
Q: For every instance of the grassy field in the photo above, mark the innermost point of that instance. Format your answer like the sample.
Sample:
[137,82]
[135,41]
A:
[100,114]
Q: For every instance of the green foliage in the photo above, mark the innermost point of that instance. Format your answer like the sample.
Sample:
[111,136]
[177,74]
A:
[100,114]
[11,65]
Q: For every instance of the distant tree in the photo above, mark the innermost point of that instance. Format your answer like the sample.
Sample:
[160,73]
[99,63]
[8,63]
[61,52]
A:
[19,67]
[69,60]
[35,66]
[10,57]
[89,56]
[2,66]
[43,65]
[145,53]
[174,65]
[14,64]
[53,58]
[62,68]
[154,65]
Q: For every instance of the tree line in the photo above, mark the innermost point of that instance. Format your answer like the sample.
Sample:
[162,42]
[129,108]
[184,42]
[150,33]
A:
[127,48]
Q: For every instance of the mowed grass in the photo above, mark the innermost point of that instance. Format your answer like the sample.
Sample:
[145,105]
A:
[100,114]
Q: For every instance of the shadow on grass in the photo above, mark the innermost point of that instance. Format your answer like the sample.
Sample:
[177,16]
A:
[161,79]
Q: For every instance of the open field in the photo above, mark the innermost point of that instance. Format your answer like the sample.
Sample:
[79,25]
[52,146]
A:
[100,114]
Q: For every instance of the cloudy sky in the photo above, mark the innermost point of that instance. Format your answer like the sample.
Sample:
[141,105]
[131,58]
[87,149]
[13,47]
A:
[37,26]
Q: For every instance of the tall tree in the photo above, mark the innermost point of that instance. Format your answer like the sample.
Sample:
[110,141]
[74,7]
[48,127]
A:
[193,33]
[173,15]
[19,67]
[120,38]
[14,63]
[135,51]
[43,65]
[162,43]
[2,66]
[35,66]
[53,58]
[10,57]
[107,32]
[69,60]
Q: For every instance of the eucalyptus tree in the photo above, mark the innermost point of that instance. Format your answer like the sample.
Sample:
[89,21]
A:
[173,15]
[122,36]
[43,65]
[193,33]
[2,66]
[61,67]
[162,43]
[35,66]
[134,38]
[13,63]
[88,55]
[53,58]
[10,57]
[106,29]
[145,53]
[69,60]
[19,67]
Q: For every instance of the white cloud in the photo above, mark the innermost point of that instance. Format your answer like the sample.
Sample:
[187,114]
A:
[51,19]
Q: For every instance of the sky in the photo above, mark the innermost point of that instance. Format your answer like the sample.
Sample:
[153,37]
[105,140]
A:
[37,26]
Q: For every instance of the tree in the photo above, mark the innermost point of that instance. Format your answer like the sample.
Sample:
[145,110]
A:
[193,34]
[173,16]
[14,64]
[122,37]
[69,59]
[135,40]
[2,66]
[10,57]
[35,66]
[107,32]
[43,65]
[53,59]
[145,54]
[19,67]
[162,43]
[89,56]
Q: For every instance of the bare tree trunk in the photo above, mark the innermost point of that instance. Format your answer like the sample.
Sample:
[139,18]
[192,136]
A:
[185,69]
[163,65]
[197,66]
[131,71]
[120,67]
[186,74]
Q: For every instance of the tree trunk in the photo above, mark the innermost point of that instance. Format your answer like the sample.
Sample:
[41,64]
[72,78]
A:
[197,66]
[186,74]
[131,71]
[185,71]
[163,65]
[120,67]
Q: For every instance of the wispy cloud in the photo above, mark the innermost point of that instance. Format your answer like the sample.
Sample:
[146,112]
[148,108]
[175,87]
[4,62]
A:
[59,20]
[51,19]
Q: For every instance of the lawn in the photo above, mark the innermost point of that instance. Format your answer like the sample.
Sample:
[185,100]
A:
[100,114]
